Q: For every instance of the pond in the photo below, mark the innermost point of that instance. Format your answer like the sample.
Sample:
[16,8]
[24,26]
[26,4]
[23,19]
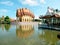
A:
[27,35]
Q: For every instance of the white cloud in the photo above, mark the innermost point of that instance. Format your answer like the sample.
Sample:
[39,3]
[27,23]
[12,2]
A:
[30,2]
[8,3]
[42,1]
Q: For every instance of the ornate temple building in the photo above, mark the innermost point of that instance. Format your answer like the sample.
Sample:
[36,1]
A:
[52,16]
[24,15]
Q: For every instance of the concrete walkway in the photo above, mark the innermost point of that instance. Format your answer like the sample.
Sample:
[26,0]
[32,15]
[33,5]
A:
[48,27]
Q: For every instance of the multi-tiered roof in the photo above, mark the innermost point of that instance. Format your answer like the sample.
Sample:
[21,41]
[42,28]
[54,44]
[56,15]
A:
[24,11]
[51,13]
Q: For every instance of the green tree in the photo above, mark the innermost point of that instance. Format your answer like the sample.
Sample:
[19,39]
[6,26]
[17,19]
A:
[7,20]
[0,19]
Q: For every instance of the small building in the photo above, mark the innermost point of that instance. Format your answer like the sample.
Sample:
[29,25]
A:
[24,15]
[52,16]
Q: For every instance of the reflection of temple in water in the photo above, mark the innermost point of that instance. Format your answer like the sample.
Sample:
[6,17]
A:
[24,31]
[49,36]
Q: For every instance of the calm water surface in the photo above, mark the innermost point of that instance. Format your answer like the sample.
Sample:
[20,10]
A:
[27,35]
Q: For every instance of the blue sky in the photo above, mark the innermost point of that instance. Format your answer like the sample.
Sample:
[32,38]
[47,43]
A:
[38,7]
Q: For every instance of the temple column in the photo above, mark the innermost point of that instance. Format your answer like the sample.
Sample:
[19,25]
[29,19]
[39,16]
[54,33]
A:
[52,21]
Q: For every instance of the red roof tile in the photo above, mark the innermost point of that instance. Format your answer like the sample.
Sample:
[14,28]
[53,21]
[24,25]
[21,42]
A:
[24,11]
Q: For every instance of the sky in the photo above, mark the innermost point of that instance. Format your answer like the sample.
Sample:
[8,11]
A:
[38,7]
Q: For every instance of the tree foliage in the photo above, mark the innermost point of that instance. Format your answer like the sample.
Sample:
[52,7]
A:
[7,20]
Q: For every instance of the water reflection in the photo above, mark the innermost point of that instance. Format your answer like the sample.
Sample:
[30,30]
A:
[58,35]
[5,27]
[27,35]
[49,36]
[24,31]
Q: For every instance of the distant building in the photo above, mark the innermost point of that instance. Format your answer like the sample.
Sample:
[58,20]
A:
[12,20]
[52,16]
[2,19]
[24,15]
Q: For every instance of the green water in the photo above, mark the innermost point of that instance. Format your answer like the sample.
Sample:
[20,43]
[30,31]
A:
[27,35]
